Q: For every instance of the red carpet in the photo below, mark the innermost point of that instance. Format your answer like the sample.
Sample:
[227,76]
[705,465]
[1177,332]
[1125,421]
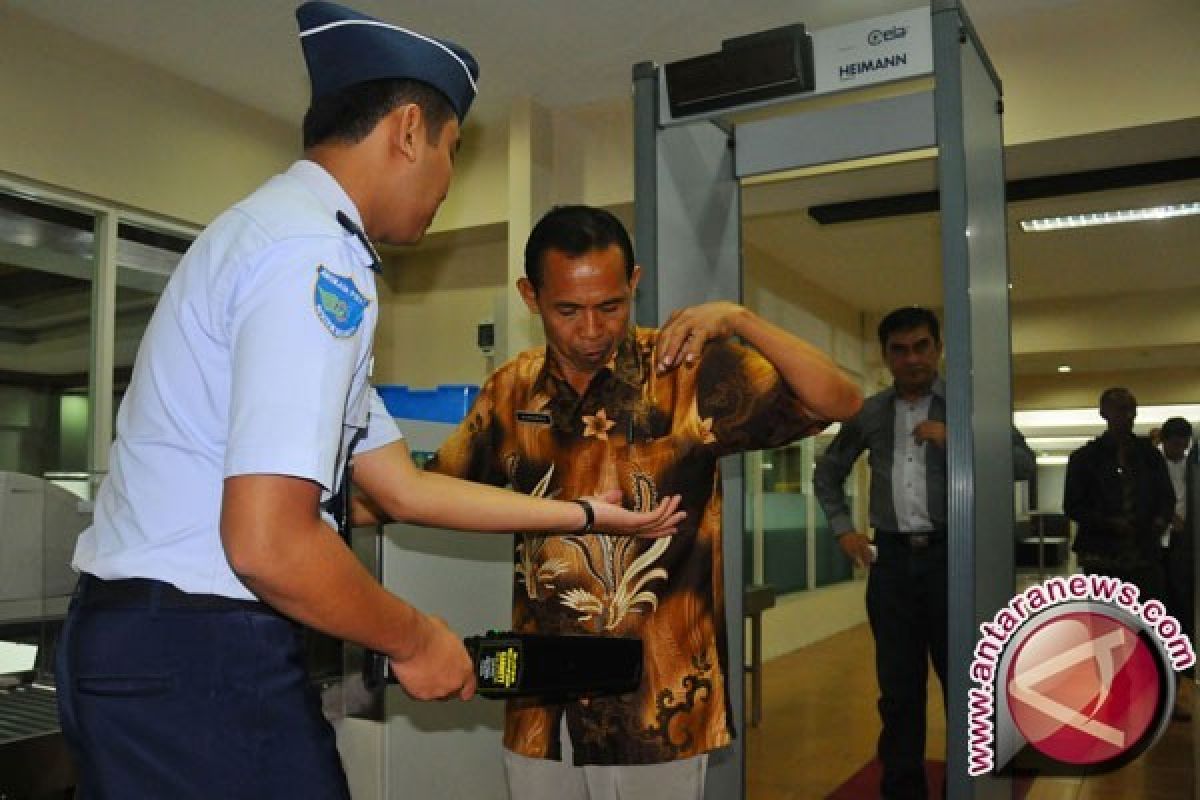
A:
[864,784]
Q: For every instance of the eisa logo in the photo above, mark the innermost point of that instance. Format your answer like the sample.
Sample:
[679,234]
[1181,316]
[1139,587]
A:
[881,35]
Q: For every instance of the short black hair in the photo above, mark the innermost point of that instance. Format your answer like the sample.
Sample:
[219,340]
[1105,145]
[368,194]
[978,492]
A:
[349,115]
[1176,426]
[1115,393]
[575,230]
[907,319]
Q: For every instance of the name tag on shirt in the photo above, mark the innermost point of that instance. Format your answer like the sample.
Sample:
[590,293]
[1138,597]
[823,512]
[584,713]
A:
[533,417]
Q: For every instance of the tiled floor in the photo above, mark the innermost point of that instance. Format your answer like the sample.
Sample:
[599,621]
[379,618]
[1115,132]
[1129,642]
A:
[819,726]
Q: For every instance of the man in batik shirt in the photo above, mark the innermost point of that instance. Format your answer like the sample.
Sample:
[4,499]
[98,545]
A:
[605,407]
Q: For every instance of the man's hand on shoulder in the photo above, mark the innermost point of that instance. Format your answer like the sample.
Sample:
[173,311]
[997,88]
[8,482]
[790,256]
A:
[821,388]
[688,330]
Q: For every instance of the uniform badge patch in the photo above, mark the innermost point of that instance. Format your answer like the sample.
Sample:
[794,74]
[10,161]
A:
[339,303]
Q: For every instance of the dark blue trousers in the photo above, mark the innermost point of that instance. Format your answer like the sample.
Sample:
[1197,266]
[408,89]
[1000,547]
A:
[906,606]
[163,697]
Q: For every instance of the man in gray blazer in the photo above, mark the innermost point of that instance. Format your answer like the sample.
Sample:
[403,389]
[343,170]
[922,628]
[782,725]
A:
[904,428]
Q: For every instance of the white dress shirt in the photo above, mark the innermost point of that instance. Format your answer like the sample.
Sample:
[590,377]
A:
[909,494]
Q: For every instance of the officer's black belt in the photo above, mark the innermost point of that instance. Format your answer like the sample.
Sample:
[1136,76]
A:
[95,592]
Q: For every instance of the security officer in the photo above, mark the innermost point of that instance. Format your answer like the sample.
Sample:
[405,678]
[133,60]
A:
[179,668]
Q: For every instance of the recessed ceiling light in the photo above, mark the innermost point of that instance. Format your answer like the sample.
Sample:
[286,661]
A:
[1064,367]
[1109,217]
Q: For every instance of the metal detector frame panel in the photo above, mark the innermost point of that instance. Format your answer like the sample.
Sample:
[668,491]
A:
[688,241]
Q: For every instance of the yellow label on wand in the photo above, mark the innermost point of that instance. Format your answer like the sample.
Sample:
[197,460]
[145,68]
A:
[506,667]
[501,668]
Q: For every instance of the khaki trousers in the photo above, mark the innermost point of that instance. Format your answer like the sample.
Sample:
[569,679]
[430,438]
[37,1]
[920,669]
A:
[546,779]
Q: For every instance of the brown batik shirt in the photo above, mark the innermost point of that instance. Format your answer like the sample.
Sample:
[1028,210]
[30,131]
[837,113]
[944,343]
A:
[650,436]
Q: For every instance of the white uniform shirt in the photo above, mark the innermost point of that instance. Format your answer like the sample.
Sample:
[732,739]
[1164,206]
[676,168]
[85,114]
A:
[256,361]
[909,495]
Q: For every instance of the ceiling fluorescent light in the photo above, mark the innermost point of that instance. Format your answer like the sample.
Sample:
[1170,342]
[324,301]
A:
[1147,417]
[1109,217]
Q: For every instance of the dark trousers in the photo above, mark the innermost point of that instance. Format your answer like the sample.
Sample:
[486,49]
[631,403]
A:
[166,695]
[906,605]
[1143,571]
[1178,575]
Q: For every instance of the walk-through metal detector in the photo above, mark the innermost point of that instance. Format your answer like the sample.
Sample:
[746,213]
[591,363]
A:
[688,237]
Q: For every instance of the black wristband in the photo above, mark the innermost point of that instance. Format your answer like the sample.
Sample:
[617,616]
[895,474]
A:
[589,516]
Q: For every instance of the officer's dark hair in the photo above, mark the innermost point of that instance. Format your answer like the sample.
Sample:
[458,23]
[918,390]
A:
[1176,427]
[907,319]
[349,115]
[575,230]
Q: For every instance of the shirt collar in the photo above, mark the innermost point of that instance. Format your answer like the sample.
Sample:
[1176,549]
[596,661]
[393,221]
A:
[325,187]
[318,181]
[1112,440]
[938,389]
[624,366]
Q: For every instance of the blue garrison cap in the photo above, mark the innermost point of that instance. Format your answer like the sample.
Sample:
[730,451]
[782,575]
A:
[343,47]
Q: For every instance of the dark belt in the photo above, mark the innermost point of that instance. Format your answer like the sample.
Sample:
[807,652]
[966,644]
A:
[94,592]
[913,541]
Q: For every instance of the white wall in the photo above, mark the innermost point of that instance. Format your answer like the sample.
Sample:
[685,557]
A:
[84,118]
[805,617]
[431,300]
[1050,481]
[777,293]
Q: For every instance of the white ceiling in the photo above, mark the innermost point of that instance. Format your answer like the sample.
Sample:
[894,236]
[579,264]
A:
[885,262]
[560,52]
[570,52]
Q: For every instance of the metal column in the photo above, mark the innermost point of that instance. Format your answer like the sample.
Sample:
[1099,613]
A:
[976,332]
[688,243]
[688,238]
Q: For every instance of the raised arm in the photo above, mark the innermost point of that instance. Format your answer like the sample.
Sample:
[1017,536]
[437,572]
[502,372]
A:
[811,375]
[278,545]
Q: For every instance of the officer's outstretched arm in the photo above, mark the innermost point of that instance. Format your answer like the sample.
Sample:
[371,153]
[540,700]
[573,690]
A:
[390,479]
[278,545]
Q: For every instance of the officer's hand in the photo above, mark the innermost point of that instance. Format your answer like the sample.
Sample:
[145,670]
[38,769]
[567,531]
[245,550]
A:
[687,330]
[857,548]
[439,668]
[931,430]
[663,520]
